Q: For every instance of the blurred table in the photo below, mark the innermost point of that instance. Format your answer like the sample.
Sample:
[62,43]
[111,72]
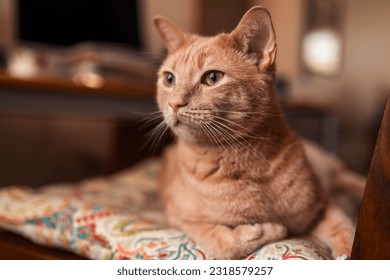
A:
[128,88]
[47,95]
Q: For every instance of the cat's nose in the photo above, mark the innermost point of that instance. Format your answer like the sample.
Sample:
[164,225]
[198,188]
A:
[176,105]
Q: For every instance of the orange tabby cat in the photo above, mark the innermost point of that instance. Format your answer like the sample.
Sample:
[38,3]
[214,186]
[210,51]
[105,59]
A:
[237,176]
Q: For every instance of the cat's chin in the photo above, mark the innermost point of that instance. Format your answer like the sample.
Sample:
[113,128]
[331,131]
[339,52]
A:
[190,133]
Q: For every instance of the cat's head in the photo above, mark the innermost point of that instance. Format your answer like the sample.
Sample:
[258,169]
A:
[217,89]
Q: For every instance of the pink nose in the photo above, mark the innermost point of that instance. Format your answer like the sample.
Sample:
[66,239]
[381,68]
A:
[176,105]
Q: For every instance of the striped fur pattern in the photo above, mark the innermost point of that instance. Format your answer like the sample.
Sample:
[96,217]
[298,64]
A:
[237,176]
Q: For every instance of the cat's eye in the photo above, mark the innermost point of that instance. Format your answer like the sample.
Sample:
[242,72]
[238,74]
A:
[212,77]
[169,79]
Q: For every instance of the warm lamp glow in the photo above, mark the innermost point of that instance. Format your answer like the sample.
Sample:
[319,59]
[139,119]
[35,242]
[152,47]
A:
[322,52]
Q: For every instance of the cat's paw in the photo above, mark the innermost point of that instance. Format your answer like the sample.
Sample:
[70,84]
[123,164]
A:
[260,232]
[250,237]
[248,233]
[341,252]
[342,257]
[222,242]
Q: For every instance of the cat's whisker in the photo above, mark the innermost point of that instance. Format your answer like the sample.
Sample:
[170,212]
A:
[231,122]
[214,135]
[211,133]
[255,136]
[250,148]
[226,136]
[151,120]
[153,136]
[161,138]
[223,139]
[262,113]
[142,114]
[236,112]
[228,139]
[151,115]
[247,116]
[241,140]
[157,136]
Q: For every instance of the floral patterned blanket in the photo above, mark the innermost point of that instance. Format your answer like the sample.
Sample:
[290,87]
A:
[116,217]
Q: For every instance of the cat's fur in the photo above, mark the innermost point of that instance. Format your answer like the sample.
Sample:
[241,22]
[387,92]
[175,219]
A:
[237,176]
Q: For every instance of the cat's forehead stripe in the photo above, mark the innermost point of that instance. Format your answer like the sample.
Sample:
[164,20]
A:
[194,55]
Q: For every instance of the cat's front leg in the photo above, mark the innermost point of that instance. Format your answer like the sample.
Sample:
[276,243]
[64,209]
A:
[223,242]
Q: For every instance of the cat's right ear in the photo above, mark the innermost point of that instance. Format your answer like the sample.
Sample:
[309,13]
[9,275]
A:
[172,35]
[255,35]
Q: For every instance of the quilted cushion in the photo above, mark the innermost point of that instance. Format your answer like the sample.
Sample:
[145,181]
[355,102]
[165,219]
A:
[116,217]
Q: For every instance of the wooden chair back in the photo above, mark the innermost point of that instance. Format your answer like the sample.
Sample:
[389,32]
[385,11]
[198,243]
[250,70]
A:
[372,238]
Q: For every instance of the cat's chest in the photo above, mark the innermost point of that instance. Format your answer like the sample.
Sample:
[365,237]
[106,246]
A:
[202,187]
[224,200]
[227,168]
[225,180]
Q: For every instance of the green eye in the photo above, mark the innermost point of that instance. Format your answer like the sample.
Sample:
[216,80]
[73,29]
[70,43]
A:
[212,77]
[169,79]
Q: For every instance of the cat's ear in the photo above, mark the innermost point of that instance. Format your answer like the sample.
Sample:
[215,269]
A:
[255,35]
[172,35]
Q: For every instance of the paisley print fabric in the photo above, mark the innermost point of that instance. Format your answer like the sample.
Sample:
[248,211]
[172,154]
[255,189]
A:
[116,217]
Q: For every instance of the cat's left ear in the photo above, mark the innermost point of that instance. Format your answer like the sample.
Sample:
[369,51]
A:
[172,35]
[255,35]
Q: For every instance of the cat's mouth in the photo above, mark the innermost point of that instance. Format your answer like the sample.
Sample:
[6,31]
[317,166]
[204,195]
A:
[176,122]
[183,122]
[186,124]
[191,118]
